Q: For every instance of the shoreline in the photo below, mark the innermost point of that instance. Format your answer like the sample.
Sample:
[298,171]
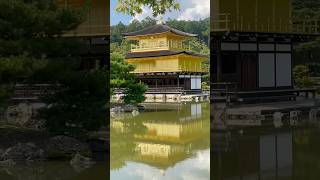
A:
[167,98]
[13,137]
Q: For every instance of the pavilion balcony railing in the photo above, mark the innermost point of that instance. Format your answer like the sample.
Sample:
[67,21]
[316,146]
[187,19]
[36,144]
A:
[311,26]
[158,46]
[156,89]
[33,91]
[224,22]
[164,89]
[193,68]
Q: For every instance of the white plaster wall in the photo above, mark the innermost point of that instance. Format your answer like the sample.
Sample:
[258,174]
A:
[266,70]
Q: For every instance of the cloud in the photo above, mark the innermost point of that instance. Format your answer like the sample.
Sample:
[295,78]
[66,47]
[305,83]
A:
[196,167]
[189,10]
[146,12]
[202,160]
[197,9]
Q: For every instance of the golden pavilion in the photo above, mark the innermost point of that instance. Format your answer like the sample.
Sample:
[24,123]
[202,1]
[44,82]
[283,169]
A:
[164,61]
[252,48]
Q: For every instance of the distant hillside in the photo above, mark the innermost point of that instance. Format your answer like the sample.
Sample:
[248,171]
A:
[202,28]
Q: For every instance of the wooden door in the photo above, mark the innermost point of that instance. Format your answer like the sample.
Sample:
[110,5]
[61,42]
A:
[248,71]
[187,84]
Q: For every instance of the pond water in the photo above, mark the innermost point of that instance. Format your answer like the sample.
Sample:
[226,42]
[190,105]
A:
[53,170]
[267,153]
[48,169]
[168,141]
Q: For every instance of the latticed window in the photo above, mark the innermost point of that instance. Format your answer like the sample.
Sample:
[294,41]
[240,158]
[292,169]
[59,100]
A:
[161,43]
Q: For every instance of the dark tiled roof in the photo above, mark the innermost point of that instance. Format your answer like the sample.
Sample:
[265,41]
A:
[156,29]
[159,53]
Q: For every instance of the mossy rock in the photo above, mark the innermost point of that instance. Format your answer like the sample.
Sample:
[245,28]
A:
[64,147]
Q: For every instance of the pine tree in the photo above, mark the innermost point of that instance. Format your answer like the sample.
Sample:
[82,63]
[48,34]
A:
[33,50]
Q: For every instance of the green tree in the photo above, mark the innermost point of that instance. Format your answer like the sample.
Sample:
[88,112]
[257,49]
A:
[81,104]
[306,9]
[121,78]
[133,7]
[301,74]
[33,50]
[14,68]
[200,27]
[202,48]
[30,32]
[307,52]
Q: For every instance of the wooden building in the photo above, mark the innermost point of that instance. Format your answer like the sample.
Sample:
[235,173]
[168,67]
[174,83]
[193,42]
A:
[163,60]
[251,42]
[94,31]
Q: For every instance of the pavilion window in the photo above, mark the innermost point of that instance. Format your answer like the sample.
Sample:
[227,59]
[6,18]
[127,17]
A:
[161,44]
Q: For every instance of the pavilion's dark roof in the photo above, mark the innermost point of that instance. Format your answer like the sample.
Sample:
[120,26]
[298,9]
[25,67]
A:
[157,29]
[160,53]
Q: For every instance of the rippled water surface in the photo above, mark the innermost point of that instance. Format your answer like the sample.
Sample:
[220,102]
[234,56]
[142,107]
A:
[168,141]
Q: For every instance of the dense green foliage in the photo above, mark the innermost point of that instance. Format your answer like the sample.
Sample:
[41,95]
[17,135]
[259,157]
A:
[120,77]
[306,9]
[29,33]
[201,28]
[133,7]
[32,50]
[301,75]
[307,53]
[81,106]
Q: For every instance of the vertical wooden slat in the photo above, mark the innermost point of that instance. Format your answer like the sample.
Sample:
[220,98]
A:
[274,15]
[256,15]
[238,11]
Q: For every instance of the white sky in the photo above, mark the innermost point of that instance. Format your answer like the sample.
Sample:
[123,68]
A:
[189,10]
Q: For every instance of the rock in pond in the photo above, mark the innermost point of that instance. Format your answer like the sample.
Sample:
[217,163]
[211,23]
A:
[79,162]
[7,163]
[66,147]
[1,152]
[23,151]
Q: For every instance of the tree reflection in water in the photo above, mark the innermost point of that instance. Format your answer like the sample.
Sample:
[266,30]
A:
[161,141]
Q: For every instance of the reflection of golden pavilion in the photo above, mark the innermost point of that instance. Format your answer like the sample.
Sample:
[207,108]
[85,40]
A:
[174,132]
[167,137]
[161,155]
[158,150]
[164,144]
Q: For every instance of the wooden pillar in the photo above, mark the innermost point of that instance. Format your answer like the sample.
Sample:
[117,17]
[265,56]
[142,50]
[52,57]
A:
[184,82]
[237,13]
[274,14]
[256,15]
[219,62]
[178,80]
